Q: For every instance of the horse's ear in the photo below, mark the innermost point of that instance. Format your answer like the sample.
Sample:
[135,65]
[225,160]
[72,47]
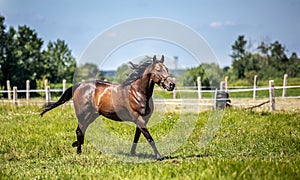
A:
[154,59]
[162,59]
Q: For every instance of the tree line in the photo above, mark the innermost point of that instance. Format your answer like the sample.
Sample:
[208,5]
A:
[23,57]
[267,60]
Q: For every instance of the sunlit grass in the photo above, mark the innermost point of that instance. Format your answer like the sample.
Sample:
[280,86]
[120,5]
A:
[248,145]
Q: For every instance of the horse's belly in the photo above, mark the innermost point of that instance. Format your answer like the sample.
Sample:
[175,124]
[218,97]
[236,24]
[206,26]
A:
[120,115]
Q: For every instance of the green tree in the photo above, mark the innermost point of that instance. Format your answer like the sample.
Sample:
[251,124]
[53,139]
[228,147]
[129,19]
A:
[2,45]
[264,50]
[278,57]
[87,72]
[21,51]
[59,62]
[239,48]
[122,72]
[214,74]
[22,58]
[240,57]
[293,69]
[189,77]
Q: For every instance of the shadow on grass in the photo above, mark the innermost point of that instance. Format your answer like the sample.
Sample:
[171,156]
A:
[187,156]
[140,156]
[150,157]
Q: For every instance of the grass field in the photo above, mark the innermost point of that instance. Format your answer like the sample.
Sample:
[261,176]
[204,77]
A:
[249,145]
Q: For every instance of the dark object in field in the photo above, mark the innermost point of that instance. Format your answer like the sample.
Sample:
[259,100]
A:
[222,100]
[129,101]
[258,105]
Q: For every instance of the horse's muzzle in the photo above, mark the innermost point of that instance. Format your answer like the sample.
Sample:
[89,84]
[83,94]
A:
[169,86]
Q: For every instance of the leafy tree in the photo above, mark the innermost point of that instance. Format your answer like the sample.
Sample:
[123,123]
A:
[189,77]
[270,61]
[87,72]
[21,51]
[264,50]
[239,56]
[278,56]
[239,48]
[293,69]
[2,44]
[122,73]
[59,63]
[214,74]
[22,58]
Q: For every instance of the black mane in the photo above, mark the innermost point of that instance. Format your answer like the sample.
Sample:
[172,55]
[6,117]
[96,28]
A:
[138,71]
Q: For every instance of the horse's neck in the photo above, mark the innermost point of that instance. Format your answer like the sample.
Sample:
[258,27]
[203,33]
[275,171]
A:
[150,89]
[144,86]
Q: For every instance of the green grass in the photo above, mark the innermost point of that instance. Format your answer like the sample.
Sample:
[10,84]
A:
[265,93]
[248,145]
[292,81]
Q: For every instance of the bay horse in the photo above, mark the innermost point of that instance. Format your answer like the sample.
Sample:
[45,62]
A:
[129,101]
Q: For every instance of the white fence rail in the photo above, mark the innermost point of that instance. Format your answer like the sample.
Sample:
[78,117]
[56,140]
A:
[12,94]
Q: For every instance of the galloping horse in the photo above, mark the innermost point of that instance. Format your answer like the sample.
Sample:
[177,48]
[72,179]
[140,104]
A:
[128,101]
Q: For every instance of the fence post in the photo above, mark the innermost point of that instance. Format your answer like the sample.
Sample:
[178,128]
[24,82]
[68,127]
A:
[272,95]
[48,95]
[222,83]
[199,87]
[215,99]
[8,90]
[284,85]
[254,87]
[45,83]
[226,83]
[27,90]
[15,95]
[174,90]
[64,85]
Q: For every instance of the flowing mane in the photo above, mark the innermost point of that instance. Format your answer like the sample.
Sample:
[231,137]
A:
[137,72]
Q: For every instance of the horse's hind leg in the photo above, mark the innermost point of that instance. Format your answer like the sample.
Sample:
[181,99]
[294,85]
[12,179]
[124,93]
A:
[81,129]
[80,140]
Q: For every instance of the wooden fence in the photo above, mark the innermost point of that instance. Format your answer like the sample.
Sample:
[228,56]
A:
[12,94]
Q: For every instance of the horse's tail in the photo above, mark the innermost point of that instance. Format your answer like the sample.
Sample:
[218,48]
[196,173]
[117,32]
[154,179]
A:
[66,96]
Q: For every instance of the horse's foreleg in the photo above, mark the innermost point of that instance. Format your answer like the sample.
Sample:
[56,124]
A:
[141,125]
[135,141]
[150,140]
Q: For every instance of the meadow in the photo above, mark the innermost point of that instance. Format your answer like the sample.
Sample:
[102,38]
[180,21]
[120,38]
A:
[248,145]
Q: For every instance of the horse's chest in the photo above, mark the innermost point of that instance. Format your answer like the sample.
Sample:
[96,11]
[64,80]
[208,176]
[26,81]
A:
[138,102]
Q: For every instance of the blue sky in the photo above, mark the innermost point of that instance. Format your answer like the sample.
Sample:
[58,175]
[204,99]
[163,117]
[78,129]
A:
[218,22]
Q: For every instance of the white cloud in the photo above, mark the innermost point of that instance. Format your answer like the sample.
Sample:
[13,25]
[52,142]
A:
[221,24]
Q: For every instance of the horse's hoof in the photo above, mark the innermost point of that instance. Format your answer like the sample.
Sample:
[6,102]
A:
[78,151]
[75,144]
[160,158]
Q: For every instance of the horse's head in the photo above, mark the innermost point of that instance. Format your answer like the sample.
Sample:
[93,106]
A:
[160,74]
